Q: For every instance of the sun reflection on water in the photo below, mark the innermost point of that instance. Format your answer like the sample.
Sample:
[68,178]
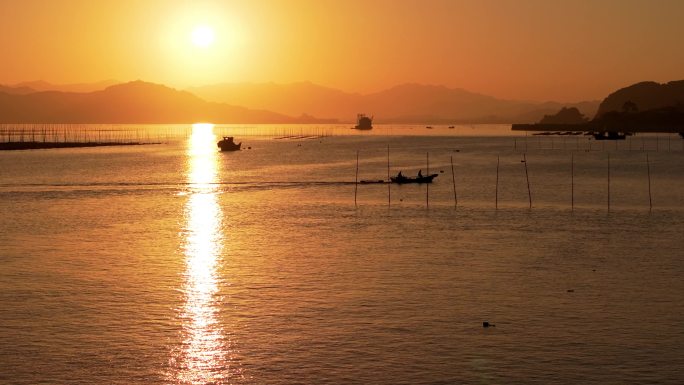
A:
[205,354]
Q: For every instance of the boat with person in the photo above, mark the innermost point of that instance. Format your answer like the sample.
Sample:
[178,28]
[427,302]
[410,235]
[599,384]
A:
[228,144]
[363,122]
[420,178]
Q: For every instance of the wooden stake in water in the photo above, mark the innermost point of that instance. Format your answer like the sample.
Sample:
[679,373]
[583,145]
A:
[608,181]
[496,188]
[356,179]
[648,170]
[427,185]
[527,177]
[453,180]
[572,182]
[389,184]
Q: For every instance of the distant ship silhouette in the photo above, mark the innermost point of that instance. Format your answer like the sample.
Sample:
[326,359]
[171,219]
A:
[363,122]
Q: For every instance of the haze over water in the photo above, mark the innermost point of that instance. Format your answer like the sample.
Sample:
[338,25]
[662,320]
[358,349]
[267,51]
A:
[175,263]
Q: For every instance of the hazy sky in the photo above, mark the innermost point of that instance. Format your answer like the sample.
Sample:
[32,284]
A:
[518,49]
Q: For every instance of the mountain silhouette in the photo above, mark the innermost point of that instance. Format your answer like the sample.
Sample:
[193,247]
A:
[41,85]
[406,103]
[290,99]
[16,90]
[644,96]
[133,102]
[143,102]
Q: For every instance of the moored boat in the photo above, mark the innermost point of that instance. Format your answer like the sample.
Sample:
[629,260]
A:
[228,144]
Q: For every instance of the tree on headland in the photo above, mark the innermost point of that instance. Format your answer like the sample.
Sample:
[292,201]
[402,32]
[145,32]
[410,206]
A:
[630,107]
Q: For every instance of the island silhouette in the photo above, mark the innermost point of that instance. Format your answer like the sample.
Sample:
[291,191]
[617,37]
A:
[642,107]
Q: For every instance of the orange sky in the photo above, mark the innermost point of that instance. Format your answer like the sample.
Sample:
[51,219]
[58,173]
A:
[524,49]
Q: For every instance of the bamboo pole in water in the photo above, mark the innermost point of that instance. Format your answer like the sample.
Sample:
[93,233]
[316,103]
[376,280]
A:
[572,182]
[496,186]
[453,180]
[527,177]
[389,184]
[427,185]
[648,170]
[356,179]
[608,181]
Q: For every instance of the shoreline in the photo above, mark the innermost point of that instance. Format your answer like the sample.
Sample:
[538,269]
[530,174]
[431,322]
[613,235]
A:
[600,127]
[15,146]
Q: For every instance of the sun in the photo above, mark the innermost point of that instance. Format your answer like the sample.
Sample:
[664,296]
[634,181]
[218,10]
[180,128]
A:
[202,36]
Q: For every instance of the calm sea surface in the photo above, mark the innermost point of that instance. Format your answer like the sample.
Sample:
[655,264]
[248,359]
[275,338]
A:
[173,263]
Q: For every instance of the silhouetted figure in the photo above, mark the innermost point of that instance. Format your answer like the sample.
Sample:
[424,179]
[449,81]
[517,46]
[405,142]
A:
[420,173]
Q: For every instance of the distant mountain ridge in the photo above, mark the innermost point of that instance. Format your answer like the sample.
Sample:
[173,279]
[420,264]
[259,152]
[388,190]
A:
[16,90]
[143,102]
[41,85]
[406,103]
[133,102]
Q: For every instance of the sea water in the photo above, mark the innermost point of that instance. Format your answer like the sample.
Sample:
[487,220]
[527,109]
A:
[174,263]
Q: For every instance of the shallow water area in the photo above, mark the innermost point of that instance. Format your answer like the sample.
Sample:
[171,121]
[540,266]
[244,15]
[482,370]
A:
[176,263]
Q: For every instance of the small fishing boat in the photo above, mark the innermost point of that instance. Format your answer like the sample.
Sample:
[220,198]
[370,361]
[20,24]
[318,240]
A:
[228,144]
[363,122]
[401,179]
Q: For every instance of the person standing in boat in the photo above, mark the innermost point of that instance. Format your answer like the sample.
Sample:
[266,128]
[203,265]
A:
[420,173]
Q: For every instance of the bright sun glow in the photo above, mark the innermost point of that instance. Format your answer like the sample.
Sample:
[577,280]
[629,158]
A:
[203,36]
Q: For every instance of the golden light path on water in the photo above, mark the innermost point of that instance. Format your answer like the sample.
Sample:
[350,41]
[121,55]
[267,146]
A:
[204,356]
